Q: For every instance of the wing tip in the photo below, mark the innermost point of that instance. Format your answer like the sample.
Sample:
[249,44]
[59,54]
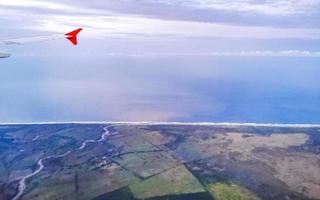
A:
[73,36]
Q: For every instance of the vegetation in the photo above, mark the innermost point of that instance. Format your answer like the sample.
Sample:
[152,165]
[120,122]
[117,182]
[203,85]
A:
[224,191]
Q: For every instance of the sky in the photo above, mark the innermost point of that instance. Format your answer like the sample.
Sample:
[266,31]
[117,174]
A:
[162,60]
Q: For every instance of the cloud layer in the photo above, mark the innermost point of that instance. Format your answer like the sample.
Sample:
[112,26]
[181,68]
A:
[110,21]
[269,7]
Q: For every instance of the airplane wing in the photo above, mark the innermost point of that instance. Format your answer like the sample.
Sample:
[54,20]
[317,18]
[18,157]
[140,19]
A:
[71,36]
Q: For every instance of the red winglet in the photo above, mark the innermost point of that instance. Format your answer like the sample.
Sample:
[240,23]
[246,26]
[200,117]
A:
[72,36]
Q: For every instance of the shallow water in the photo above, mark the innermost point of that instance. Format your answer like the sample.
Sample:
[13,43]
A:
[213,89]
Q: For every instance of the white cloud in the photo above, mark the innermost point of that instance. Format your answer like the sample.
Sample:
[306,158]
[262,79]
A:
[34,4]
[264,53]
[268,7]
[49,5]
[132,26]
[110,24]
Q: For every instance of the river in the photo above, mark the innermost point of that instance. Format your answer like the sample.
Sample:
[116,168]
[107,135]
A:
[22,182]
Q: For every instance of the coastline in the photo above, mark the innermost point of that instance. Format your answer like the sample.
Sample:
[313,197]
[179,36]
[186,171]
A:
[168,123]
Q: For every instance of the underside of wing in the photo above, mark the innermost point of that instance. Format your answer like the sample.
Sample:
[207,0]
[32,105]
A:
[4,55]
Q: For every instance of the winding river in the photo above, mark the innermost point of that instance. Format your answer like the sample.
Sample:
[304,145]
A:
[22,182]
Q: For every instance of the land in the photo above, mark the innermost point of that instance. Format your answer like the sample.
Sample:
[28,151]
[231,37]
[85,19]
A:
[159,161]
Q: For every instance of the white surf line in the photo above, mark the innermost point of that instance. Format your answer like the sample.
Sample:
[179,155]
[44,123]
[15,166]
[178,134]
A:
[22,182]
[173,123]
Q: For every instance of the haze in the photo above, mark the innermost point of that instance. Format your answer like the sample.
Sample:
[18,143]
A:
[170,60]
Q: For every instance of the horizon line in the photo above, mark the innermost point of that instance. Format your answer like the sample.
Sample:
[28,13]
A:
[167,123]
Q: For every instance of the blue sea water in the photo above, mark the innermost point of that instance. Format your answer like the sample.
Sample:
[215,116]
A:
[160,88]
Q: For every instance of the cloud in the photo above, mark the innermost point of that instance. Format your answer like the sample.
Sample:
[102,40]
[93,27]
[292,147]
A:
[106,23]
[133,26]
[48,5]
[269,7]
[35,4]
[265,53]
